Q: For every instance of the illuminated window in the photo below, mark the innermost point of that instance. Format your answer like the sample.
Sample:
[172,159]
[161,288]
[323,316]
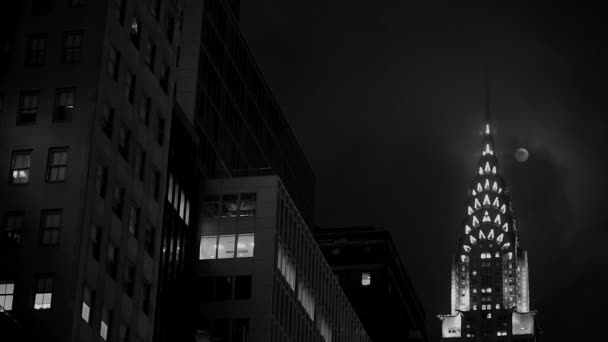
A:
[106,318]
[497,306]
[474,307]
[467,229]
[208,247]
[225,247]
[491,234]
[473,192]
[496,203]
[28,107]
[13,228]
[487,184]
[487,128]
[482,236]
[475,221]
[473,240]
[503,209]
[505,227]
[88,300]
[72,44]
[499,238]
[494,170]
[486,217]
[50,225]
[245,244]
[486,200]
[480,171]
[497,255]
[212,206]
[487,167]
[466,248]
[477,204]
[366,278]
[474,273]
[479,188]
[510,254]
[7,291]
[44,292]
[495,186]
[497,219]
[20,167]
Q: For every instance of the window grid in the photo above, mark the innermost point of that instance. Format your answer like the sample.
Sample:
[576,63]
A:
[57,164]
[44,292]
[64,104]
[13,228]
[36,50]
[28,107]
[72,44]
[50,227]
[20,167]
[7,292]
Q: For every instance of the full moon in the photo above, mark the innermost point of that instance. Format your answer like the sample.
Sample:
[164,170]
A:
[521,155]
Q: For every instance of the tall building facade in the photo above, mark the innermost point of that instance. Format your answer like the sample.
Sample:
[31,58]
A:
[490,283]
[86,101]
[262,276]
[367,265]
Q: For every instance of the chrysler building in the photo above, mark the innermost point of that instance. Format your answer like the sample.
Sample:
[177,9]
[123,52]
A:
[490,290]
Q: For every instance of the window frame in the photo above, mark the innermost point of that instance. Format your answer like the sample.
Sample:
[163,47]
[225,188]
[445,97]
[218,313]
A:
[50,166]
[63,112]
[7,230]
[12,169]
[43,290]
[54,232]
[35,56]
[72,53]
[24,113]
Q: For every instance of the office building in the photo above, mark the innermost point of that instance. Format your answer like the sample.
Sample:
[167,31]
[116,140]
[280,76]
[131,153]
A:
[490,281]
[262,275]
[86,100]
[367,264]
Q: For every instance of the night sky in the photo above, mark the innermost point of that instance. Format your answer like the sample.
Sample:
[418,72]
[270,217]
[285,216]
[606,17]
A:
[386,100]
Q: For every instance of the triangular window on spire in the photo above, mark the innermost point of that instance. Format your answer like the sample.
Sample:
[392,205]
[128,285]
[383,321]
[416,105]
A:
[487,168]
[510,255]
[491,234]
[470,210]
[500,190]
[482,236]
[497,219]
[480,170]
[467,229]
[466,248]
[473,192]
[499,238]
[488,150]
[487,184]
[494,170]
[487,128]
[496,203]
[505,227]
[475,221]
[486,217]
[472,239]
[495,186]
[479,188]
[486,200]
[506,245]
[477,204]
[503,209]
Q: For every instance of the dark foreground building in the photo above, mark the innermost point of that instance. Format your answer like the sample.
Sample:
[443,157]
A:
[86,98]
[490,289]
[367,264]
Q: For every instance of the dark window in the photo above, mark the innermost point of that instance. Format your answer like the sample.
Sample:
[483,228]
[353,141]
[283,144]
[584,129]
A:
[155,184]
[20,167]
[64,104]
[107,120]
[114,63]
[72,45]
[118,198]
[41,6]
[150,55]
[130,87]
[165,72]
[160,134]
[95,241]
[28,107]
[12,228]
[135,31]
[242,287]
[112,262]
[134,212]
[149,239]
[50,226]
[36,50]
[44,292]
[147,294]
[120,10]
[101,179]
[170,27]
[155,9]
[124,331]
[129,278]
[212,206]
[247,204]
[77,3]
[206,288]
[229,206]
[124,137]
[57,165]
[221,330]
[144,110]
[140,163]
[223,288]
[240,330]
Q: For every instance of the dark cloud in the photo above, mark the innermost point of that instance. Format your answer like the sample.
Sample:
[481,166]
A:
[386,100]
